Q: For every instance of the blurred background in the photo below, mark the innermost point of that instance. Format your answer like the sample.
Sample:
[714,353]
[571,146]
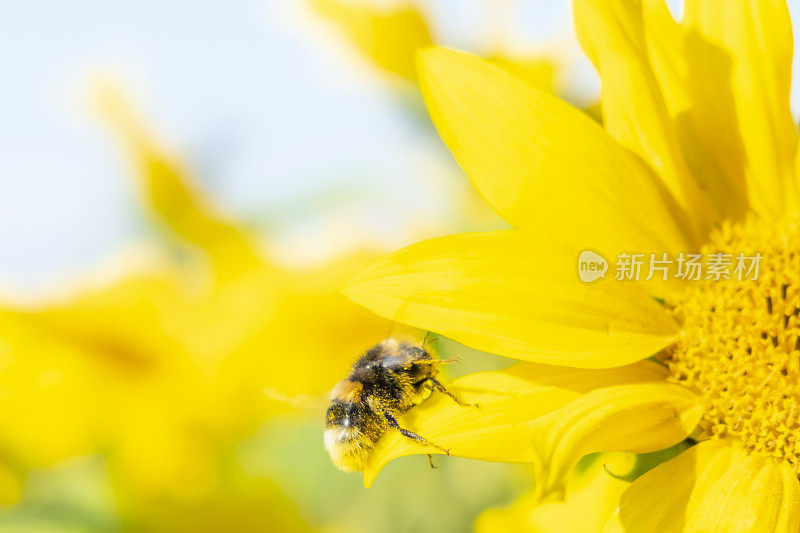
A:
[183,186]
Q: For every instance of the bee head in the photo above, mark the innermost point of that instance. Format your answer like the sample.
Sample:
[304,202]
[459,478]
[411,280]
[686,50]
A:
[413,361]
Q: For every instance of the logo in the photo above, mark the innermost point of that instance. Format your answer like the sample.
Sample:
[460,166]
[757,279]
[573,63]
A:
[591,266]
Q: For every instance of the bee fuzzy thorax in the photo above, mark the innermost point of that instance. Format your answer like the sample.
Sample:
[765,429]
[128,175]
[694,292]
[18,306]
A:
[385,382]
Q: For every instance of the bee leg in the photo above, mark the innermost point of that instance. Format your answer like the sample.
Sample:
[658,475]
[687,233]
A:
[438,386]
[430,461]
[411,435]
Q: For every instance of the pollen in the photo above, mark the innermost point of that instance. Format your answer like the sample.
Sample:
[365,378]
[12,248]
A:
[740,347]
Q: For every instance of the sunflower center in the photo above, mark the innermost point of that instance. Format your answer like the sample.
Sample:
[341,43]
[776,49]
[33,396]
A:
[741,343]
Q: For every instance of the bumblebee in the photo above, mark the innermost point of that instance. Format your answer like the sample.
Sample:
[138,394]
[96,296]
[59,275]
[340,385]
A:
[385,382]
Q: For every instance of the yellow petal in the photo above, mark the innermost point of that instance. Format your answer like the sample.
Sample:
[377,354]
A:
[592,497]
[613,525]
[693,83]
[797,162]
[636,418]
[611,33]
[664,39]
[387,36]
[500,428]
[507,293]
[713,486]
[169,192]
[538,72]
[48,408]
[541,163]
[755,38]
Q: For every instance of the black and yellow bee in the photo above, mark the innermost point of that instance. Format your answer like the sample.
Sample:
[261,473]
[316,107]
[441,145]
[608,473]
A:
[388,380]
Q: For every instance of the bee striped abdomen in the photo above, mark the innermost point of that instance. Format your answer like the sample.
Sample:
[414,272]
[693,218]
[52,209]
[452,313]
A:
[351,431]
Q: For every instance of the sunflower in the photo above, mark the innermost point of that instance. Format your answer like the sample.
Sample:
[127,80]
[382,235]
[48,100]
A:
[696,155]
[163,369]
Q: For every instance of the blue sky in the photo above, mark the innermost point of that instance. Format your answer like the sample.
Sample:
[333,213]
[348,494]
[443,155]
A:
[270,109]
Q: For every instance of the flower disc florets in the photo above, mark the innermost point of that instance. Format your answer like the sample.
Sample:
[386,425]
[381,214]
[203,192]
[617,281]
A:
[741,343]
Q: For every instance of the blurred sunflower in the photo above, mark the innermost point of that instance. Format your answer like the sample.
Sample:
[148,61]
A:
[697,154]
[163,371]
[388,35]
[593,495]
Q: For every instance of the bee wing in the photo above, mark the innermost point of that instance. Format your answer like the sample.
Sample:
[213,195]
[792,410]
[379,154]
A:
[407,334]
[302,402]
